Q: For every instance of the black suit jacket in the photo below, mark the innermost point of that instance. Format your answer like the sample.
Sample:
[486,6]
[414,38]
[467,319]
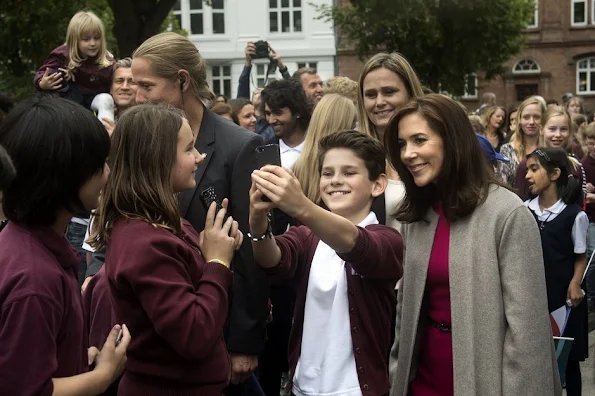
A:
[228,168]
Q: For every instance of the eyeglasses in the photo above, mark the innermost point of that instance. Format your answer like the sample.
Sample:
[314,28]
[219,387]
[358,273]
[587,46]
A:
[543,154]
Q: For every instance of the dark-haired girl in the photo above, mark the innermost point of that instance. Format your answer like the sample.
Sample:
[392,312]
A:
[563,226]
[471,312]
[58,149]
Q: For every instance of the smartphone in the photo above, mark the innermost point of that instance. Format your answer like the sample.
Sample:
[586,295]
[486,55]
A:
[119,336]
[269,154]
[208,196]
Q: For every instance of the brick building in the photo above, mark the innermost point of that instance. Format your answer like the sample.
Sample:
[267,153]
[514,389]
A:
[559,57]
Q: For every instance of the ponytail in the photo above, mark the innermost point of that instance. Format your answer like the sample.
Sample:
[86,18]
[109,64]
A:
[571,191]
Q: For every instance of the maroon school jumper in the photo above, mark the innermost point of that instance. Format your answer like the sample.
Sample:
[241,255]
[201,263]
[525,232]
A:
[175,305]
[91,78]
[41,314]
[588,163]
[434,375]
[373,268]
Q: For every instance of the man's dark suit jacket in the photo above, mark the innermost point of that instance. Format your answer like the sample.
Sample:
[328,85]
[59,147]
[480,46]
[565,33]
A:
[228,168]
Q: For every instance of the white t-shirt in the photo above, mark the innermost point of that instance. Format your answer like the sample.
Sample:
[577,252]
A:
[393,195]
[326,365]
[579,228]
[289,155]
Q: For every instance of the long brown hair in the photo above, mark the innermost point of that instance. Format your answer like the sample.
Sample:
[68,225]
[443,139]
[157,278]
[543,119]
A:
[142,159]
[396,63]
[465,176]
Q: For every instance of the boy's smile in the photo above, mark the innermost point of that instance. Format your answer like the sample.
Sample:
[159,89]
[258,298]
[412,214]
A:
[345,187]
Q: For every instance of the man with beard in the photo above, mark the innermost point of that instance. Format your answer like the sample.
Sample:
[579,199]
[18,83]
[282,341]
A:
[288,111]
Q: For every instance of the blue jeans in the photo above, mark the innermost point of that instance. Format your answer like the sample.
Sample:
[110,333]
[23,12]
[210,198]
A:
[590,278]
[249,388]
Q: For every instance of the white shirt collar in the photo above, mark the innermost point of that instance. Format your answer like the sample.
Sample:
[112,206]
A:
[555,208]
[283,148]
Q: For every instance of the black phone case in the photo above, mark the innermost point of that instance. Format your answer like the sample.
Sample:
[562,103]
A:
[208,196]
[269,154]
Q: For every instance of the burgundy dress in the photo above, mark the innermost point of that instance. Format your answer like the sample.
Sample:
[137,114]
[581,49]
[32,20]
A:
[434,375]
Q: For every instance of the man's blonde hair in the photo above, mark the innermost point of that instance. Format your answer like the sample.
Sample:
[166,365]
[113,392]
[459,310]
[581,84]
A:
[169,53]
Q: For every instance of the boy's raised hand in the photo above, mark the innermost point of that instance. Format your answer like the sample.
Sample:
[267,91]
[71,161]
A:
[283,189]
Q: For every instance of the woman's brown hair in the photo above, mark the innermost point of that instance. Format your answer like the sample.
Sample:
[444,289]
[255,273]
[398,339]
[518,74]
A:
[142,159]
[465,176]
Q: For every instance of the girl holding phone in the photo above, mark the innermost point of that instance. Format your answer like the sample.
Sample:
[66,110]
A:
[168,282]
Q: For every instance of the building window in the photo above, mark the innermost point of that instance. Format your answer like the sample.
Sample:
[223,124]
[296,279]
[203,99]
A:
[535,20]
[222,80]
[470,86]
[196,17]
[578,12]
[523,91]
[526,66]
[196,21]
[312,65]
[261,75]
[218,17]
[593,12]
[585,76]
[177,10]
[285,16]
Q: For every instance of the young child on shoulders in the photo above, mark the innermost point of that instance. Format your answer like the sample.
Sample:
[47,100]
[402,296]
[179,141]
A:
[563,226]
[346,266]
[81,68]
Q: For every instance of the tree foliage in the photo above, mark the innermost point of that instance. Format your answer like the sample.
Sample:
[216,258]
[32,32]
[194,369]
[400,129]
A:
[443,39]
[31,29]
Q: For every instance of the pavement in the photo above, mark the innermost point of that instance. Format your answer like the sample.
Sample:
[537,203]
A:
[588,366]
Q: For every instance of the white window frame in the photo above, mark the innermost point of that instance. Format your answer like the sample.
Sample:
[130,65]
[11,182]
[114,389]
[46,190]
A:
[470,95]
[215,11]
[262,76]
[221,78]
[593,12]
[515,71]
[312,64]
[207,13]
[279,10]
[590,71]
[536,16]
[579,24]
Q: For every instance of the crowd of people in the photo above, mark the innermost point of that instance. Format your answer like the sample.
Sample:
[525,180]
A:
[401,245]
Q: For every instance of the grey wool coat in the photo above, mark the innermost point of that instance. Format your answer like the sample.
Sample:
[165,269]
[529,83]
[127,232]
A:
[501,333]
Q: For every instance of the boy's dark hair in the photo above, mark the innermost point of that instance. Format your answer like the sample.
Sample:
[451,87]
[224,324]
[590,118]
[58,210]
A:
[569,188]
[288,93]
[56,146]
[363,146]
[7,171]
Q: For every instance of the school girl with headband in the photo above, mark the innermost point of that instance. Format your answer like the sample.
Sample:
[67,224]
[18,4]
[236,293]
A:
[81,68]
[555,133]
[563,226]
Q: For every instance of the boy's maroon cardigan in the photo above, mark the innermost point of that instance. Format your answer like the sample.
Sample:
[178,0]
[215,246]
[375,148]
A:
[373,268]
[91,78]
[175,305]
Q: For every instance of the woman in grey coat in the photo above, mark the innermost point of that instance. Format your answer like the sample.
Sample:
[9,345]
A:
[472,314]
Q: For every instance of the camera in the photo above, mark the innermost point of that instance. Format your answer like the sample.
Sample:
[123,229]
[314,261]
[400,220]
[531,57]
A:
[262,50]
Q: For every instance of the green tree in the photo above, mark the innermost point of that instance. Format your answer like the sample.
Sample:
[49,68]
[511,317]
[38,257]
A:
[444,40]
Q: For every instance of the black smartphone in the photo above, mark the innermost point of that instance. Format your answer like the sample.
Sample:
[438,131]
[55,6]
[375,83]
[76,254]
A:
[208,196]
[269,154]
